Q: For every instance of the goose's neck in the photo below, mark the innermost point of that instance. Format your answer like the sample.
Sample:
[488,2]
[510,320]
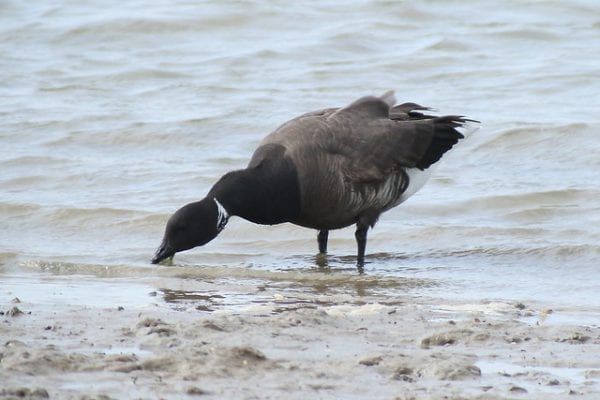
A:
[222,215]
[260,198]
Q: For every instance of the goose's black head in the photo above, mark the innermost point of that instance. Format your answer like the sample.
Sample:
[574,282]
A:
[194,224]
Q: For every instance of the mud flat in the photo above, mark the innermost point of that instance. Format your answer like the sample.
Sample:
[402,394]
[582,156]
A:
[256,340]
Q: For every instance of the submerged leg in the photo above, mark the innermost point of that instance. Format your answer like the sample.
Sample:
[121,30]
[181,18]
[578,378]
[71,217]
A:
[322,240]
[361,241]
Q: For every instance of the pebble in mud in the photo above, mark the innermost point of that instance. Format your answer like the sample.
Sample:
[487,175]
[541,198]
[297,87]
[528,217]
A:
[371,361]
[403,374]
[195,391]
[453,337]
[575,338]
[442,366]
[24,393]
[156,326]
[247,355]
[14,312]
[150,322]
[592,374]
[517,389]
[450,369]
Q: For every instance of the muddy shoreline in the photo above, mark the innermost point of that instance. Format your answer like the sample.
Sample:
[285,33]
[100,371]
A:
[187,342]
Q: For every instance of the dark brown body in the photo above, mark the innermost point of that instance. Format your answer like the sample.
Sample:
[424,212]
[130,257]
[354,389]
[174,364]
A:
[351,162]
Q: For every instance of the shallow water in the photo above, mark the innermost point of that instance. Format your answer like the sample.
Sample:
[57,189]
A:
[114,115]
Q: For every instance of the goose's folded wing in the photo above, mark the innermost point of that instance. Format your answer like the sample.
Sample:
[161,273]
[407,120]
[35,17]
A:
[373,145]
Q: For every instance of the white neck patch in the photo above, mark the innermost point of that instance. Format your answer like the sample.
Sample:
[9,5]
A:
[222,216]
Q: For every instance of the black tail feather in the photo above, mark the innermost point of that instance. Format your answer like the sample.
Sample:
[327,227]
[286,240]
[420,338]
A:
[445,136]
[409,112]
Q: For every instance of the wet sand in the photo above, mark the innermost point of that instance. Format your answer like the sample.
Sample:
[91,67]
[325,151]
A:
[277,340]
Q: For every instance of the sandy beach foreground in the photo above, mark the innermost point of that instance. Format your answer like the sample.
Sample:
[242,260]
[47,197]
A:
[186,342]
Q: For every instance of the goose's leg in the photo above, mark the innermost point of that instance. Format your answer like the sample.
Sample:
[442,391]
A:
[361,241]
[322,240]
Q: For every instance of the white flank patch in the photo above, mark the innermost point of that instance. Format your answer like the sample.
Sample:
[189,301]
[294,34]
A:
[416,180]
[222,216]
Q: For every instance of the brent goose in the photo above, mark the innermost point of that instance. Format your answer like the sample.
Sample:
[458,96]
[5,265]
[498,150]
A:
[324,170]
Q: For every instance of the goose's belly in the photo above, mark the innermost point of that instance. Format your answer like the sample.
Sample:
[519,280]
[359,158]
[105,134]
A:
[340,204]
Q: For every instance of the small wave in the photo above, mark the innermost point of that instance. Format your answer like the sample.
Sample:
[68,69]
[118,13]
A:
[527,135]
[552,252]
[529,33]
[413,11]
[149,74]
[562,197]
[124,28]
[138,135]
[536,214]
[17,209]
[7,258]
[526,204]
[97,217]
[448,45]
[130,76]
[33,161]
[121,27]
[142,221]
[24,181]
[502,253]
[338,279]
[63,88]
